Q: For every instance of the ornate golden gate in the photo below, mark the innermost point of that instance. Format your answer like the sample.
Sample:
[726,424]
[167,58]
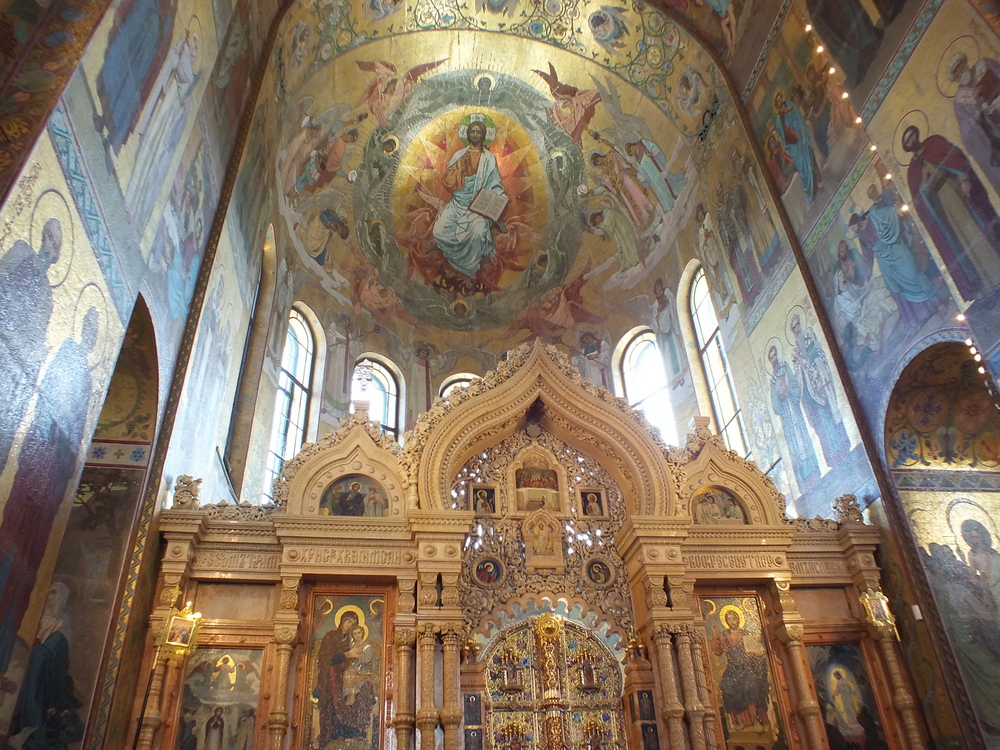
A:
[552,684]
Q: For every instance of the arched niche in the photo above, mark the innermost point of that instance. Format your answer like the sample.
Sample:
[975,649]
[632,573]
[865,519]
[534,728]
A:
[538,382]
[715,466]
[940,442]
[359,449]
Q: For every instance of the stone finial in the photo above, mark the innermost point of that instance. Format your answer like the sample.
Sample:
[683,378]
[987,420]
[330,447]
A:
[186,492]
[847,509]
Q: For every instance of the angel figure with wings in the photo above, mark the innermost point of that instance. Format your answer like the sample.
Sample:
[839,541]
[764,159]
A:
[388,91]
[574,107]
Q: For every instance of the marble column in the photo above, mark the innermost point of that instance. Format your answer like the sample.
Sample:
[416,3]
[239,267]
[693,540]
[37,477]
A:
[451,710]
[672,710]
[405,719]
[902,699]
[711,736]
[807,708]
[427,714]
[152,718]
[693,706]
[285,638]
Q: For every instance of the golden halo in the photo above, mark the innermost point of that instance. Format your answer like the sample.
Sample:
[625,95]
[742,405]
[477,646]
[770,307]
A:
[710,607]
[356,610]
[194,24]
[732,608]
[376,606]
[390,145]
[481,76]
[964,509]
[52,205]
[91,296]
[776,343]
[914,117]
[328,611]
[789,336]
[966,45]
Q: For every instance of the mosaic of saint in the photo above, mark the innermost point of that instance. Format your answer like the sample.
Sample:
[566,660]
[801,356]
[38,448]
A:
[219,705]
[345,672]
[742,673]
[355,495]
[845,696]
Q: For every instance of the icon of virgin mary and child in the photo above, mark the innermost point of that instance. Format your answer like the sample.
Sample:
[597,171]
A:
[464,228]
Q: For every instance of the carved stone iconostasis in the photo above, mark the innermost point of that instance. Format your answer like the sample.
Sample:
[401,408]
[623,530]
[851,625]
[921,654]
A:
[533,568]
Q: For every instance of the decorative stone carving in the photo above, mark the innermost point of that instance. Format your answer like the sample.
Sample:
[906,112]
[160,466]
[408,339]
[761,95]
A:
[816,524]
[345,432]
[289,600]
[245,512]
[536,375]
[186,492]
[846,509]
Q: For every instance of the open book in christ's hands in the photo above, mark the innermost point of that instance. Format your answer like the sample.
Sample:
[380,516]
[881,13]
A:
[489,204]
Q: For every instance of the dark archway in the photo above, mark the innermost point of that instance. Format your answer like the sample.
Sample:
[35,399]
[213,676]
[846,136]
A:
[87,580]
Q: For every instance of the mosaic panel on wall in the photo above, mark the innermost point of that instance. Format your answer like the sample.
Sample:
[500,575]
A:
[219,705]
[741,670]
[845,696]
[345,674]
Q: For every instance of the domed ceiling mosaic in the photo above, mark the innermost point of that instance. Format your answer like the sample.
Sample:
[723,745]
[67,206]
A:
[494,171]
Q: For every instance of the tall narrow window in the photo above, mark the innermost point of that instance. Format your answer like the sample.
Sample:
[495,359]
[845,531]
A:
[645,382]
[291,404]
[726,408]
[375,383]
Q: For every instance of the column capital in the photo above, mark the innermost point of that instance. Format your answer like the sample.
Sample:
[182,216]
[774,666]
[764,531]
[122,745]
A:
[406,637]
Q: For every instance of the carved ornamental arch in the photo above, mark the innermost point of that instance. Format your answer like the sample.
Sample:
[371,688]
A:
[540,383]
[712,465]
[358,447]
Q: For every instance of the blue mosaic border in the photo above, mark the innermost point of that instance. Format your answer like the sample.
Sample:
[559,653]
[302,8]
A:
[899,60]
[68,153]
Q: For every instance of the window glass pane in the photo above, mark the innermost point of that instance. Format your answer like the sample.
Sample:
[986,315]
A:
[728,418]
[645,382]
[291,404]
[378,384]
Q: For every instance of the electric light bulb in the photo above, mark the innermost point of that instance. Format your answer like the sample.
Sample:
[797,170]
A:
[858,119]
[832,70]
[873,147]
[844,95]
[960,316]
[819,48]
[809,27]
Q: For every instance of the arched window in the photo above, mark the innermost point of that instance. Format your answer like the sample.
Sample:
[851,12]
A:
[291,403]
[644,382]
[458,380]
[373,381]
[728,417]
